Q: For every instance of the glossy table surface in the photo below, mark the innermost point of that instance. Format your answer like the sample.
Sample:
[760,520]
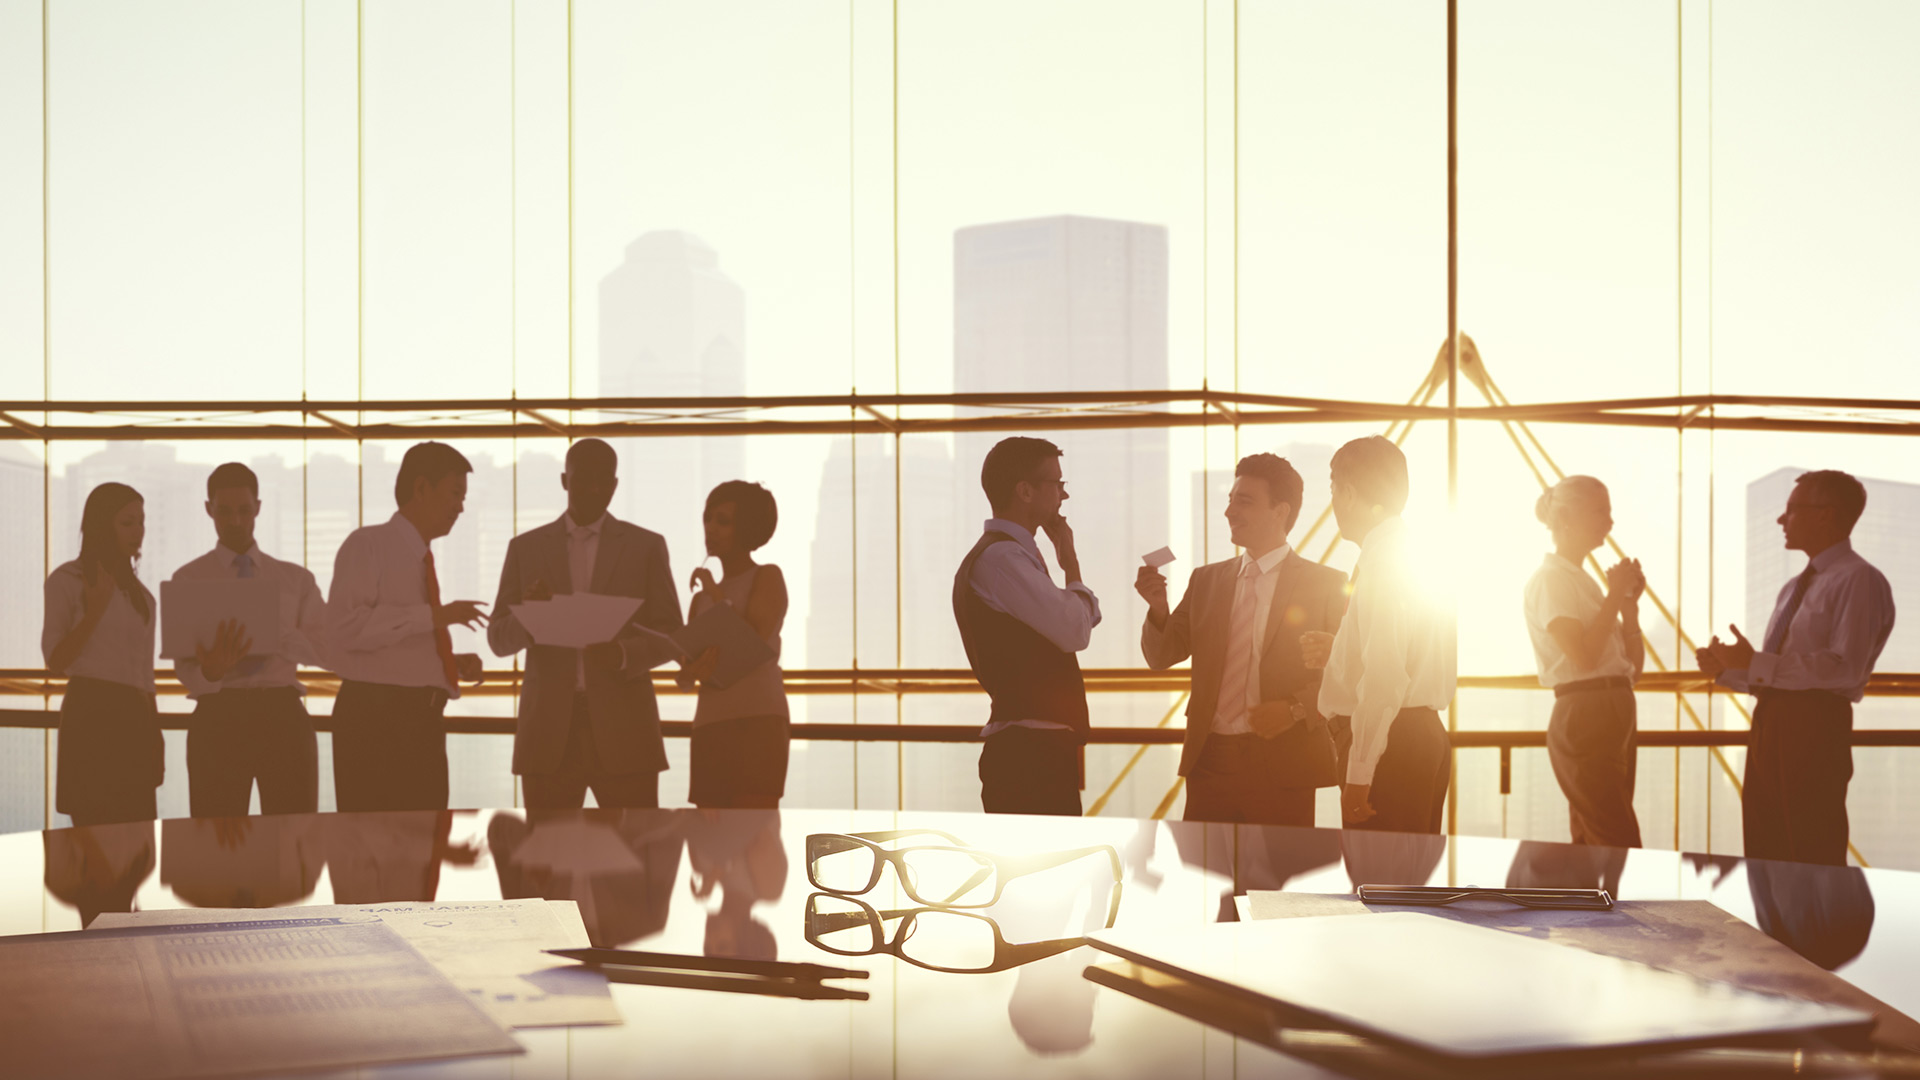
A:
[735,883]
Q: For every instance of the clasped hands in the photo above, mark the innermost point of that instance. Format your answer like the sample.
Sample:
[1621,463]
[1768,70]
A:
[1719,656]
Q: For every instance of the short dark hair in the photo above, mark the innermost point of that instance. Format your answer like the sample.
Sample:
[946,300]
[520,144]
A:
[1375,468]
[1010,461]
[1283,483]
[591,450]
[232,475]
[1847,496]
[429,461]
[754,512]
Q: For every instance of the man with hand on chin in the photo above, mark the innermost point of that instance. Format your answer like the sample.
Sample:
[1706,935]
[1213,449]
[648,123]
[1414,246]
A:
[1021,632]
[588,717]
[391,646]
[1390,668]
[1255,746]
[1827,629]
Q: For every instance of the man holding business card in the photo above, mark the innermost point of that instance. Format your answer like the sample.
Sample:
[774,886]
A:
[249,721]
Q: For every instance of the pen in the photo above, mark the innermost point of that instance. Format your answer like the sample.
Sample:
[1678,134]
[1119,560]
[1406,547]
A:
[782,969]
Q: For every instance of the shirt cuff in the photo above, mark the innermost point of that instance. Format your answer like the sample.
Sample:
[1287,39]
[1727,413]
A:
[1093,602]
[1360,770]
[1735,679]
[1762,669]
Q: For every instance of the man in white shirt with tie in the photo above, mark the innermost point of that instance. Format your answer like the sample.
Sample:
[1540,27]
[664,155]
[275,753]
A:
[1828,627]
[250,722]
[1390,669]
[389,641]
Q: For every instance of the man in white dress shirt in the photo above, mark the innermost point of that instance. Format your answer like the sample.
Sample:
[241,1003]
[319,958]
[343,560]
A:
[1828,627]
[250,722]
[1390,669]
[1021,632]
[389,641]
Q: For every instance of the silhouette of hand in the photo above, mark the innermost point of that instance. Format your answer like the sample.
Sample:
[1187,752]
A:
[467,666]
[98,594]
[1353,803]
[230,645]
[539,590]
[465,613]
[1151,584]
[1271,719]
[1316,648]
[1709,662]
[1060,533]
[702,580]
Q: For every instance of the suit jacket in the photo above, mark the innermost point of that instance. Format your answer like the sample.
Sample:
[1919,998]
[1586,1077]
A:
[630,561]
[1306,596]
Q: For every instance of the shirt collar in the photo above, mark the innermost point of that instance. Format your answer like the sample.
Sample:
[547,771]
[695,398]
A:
[228,556]
[1383,533]
[1019,533]
[404,526]
[1825,560]
[1554,559]
[583,532]
[1268,561]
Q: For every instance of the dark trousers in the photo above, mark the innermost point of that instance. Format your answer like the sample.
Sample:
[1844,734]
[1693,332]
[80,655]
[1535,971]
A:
[389,747]
[1591,743]
[239,736]
[1030,771]
[1799,761]
[1233,781]
[111,754]
[1410,780]
[580,768]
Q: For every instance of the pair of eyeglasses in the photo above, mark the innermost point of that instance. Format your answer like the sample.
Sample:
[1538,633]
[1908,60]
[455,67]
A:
[935,938]
[1437,896]
[948,875]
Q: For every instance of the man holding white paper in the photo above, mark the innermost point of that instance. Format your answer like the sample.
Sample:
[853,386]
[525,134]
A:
[250,722]
[588,717]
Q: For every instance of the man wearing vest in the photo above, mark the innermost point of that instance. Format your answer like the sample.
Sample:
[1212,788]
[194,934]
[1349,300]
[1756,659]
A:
[1256,748]
[1021,632]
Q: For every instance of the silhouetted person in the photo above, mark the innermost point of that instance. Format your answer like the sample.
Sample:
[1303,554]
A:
[98,632]
[1390,669]
[1588,649]
[1021,632]
[620,866]
[388,639]
[1828,627]
[740,732]
[1542,865]
[390,857]
[243,862]
[1823,913]
[588,717]
[1256,746]
[741,853]
[97,868]
[250,722]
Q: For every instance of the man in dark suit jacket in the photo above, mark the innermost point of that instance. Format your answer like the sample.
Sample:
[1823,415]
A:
[1256,748]
[588,716]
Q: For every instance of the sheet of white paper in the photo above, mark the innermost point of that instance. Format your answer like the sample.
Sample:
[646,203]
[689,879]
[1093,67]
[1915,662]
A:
[226,999]
[494,950]
[1158,559]
[576,620]
[191,611]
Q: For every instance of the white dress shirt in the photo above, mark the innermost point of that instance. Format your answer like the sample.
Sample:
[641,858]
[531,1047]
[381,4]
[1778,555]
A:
[583,548]
[1394,650]
[1835,637]
[1013,580]
[1561,590]
[379,623]
[303,622]
[122,646]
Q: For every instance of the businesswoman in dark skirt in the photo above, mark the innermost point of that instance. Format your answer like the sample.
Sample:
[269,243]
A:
[1589,653]
[740,732]
[99,634]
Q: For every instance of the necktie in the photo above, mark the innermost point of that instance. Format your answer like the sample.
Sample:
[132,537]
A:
[1777,634]
[250,665]
[1239,661]
[442,638]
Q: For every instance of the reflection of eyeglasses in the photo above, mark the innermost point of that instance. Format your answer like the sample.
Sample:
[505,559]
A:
[1435,896]
[938,939]
[938,875]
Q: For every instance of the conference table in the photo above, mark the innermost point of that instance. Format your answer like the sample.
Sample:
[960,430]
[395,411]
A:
[1003,995]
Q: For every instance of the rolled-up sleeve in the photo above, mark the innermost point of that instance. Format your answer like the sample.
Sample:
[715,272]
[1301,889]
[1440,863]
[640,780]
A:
[1010,581]
[356,620]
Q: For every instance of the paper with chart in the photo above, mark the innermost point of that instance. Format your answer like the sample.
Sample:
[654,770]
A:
[235,998]
[494,950]
[576,620]
[192,609]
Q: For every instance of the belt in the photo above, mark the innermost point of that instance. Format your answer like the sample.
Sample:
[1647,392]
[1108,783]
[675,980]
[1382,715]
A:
[1605,682]
[432,695]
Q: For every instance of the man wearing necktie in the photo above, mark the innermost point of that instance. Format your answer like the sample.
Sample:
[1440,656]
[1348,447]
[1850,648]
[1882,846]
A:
[1256,747]
[588,717]
[1828,627]
[250,722]
[390,641]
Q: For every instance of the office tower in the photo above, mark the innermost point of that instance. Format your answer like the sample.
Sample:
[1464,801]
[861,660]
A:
[1884,537]
[1073,303]
[673,325]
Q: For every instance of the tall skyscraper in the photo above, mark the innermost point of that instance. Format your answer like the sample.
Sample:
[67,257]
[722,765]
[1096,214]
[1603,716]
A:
[673,325]
[1073,303]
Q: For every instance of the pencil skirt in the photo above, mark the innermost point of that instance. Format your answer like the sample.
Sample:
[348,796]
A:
[112,756]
